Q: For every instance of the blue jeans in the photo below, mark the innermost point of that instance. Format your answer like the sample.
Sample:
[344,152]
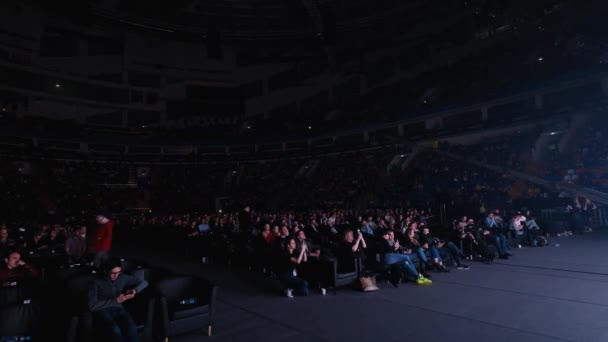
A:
[435,253]
[501,244]
[403,259]
[454,252]
[117,325]
[299,285]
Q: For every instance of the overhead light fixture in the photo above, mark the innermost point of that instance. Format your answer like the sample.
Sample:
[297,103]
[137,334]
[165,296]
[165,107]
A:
[57,85]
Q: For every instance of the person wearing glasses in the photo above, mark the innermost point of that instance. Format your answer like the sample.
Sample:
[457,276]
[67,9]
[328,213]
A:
[105,298]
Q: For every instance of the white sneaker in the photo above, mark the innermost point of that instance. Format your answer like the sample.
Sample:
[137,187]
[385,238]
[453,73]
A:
[288,293]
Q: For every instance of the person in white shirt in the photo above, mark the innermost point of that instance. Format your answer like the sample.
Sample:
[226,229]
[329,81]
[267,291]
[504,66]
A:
[517,225]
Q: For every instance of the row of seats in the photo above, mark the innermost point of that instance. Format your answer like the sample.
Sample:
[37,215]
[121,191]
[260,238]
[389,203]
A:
[57,309]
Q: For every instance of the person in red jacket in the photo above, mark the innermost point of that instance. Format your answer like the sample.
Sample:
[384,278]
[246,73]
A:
[100,242]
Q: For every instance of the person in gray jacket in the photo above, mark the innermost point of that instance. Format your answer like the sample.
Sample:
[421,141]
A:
[105,299]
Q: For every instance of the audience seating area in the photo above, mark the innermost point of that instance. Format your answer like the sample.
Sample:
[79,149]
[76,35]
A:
[51,305]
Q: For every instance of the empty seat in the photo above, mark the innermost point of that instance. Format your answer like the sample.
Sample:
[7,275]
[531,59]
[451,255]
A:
[185,304]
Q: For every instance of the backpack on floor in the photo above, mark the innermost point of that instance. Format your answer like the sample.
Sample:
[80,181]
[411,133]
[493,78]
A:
[541,241]
[491,253]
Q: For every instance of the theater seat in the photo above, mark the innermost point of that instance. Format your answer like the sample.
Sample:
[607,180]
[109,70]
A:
[13,295]
[23,320]
[185,304]
[335,279]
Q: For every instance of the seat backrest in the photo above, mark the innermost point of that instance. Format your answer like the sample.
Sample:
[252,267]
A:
[129,265]
[13,295]
[61,275]
[77,289]
[176,288]
[20,320]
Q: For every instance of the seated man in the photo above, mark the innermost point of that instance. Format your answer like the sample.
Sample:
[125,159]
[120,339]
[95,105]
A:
[391,255]
[105,299]
[6,243]
[493,236]
[469,242]
[427,240]
[16,270]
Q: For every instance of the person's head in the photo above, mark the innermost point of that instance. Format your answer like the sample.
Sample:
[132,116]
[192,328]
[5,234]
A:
[112,268]
[301,235]
[276,230]
[410,233]
[291,244]
[386,235]
[491,216]
[101,219]
[53,234]
[81,231]
[426,230]
[3,233]
[37,237]
[413,226]
[266,227]
[349,236]
[12,260]
[284,231]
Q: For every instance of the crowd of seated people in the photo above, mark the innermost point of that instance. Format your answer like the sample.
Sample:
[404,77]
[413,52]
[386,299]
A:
[295,246]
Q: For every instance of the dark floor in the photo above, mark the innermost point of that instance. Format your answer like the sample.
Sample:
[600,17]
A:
[556,293]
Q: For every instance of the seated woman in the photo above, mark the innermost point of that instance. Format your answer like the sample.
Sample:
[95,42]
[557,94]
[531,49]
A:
[37,243]
[391,255]
[414,246]
[265,248]
[289,261]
